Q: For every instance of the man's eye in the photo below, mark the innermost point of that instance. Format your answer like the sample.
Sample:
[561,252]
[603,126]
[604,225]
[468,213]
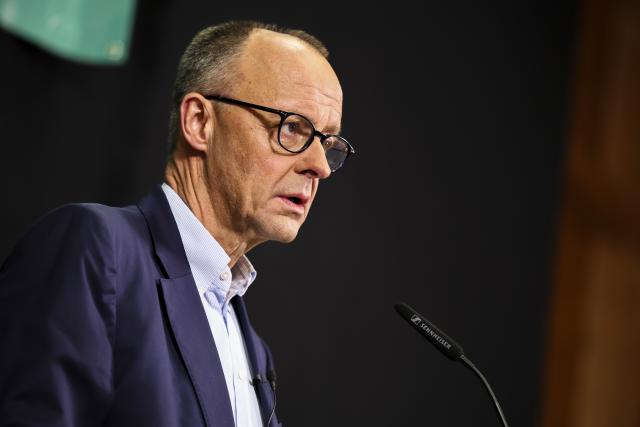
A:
[291,128]
[335,144]
[296,126]
[329,143]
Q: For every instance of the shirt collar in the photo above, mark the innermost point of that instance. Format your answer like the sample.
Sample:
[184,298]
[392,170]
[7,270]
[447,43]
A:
[208,261]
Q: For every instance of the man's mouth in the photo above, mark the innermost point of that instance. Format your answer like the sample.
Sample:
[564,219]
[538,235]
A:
[296,201]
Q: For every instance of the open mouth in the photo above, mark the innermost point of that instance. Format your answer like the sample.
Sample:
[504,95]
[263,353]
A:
[296,200]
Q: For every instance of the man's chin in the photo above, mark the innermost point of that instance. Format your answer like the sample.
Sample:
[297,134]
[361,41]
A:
[285,237]
[284,231]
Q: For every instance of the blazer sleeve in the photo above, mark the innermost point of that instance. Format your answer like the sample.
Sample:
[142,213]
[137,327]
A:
[57,322]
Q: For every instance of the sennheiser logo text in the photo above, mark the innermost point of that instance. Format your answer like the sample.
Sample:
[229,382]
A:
[437,337]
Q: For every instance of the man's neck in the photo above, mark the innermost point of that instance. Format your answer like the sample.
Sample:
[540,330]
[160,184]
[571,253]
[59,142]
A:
[180,175]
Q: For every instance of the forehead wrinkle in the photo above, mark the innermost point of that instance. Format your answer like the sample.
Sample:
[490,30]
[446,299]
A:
[296,95]
[306,84]
[320,107]
[292,77]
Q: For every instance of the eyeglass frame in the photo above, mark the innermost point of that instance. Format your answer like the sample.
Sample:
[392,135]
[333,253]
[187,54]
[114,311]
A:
[283,116]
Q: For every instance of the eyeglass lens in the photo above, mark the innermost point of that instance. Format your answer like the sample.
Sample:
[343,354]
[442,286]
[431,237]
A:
[295,133]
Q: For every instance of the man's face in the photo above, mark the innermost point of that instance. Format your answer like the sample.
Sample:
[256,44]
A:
[263,191]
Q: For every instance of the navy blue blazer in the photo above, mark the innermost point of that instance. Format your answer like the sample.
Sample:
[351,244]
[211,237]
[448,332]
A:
[101,325]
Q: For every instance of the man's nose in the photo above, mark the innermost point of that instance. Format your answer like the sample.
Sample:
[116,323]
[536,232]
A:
[313,161]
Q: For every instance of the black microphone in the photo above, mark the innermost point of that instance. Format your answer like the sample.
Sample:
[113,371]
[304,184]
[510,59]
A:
[271,376]
[271,379]
[446,345]
[257,380]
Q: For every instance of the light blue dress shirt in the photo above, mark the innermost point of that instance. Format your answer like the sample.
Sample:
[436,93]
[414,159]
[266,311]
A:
[217,284]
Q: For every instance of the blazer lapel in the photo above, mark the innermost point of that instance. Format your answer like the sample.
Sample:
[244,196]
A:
[257,359]
[186,316]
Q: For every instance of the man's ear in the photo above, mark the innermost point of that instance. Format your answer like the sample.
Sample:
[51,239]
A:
[196,121]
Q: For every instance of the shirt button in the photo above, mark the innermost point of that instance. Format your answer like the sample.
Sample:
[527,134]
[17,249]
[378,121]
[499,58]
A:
[224,276]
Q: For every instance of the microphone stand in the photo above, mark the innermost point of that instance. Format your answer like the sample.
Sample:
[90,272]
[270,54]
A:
[466,362]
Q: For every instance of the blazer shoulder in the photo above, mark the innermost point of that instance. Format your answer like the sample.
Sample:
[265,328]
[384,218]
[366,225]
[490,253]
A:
[79,227]
[94,218]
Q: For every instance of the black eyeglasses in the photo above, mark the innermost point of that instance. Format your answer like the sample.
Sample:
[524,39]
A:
[296,133]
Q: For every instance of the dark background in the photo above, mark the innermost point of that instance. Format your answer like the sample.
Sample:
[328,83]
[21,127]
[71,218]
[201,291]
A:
[458,115]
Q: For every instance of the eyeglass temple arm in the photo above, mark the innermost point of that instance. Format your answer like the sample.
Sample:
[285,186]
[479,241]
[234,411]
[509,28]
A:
[246,104]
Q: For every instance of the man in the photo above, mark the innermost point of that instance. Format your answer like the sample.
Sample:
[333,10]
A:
[133,316]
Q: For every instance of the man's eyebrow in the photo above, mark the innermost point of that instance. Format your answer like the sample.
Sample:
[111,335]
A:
[333,130]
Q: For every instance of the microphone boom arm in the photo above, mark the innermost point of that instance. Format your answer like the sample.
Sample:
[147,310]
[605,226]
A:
[466,362]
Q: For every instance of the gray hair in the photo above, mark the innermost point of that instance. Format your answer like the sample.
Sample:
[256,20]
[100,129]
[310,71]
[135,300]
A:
[206,64]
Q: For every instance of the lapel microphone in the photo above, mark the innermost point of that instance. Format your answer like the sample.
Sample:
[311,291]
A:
[257,379]
[446,345]
[271,379]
